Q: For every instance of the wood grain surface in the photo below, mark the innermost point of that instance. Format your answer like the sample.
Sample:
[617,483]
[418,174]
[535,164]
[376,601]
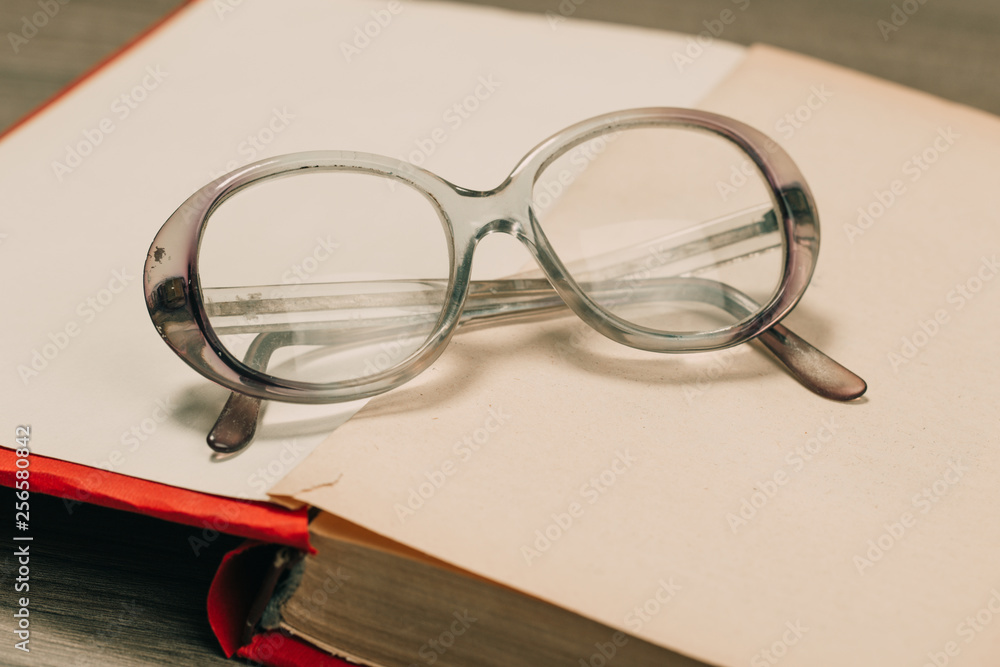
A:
[109,588]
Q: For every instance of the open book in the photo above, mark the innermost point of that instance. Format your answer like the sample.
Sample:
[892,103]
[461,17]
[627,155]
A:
[816,532]
[793,528]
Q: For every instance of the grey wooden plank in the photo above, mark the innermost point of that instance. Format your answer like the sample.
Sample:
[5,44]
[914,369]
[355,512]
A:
[109,588]
[949,49]
[74,39]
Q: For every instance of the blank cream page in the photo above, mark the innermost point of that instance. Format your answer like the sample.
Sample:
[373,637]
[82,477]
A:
[463,91]
[708,502]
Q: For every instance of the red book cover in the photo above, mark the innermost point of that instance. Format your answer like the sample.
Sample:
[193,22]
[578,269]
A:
[230,599]
[262,522]
[76,484]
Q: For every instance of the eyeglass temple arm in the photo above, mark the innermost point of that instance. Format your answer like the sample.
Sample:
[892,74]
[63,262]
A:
[237,423]
[812,368]
[807,364]
[501,301]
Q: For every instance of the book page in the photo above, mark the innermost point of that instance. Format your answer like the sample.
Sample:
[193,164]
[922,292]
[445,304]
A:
[708,503]
[463,91]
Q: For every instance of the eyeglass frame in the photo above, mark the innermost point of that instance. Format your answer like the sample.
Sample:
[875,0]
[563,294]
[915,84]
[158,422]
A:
[174,298]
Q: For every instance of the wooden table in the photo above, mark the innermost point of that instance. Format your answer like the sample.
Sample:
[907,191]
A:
[951,49]
[110,588]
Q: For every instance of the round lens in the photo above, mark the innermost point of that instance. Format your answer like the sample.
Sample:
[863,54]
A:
[325,276]
[652,222]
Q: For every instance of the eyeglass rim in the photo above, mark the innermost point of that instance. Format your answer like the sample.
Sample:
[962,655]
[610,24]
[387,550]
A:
[174,298]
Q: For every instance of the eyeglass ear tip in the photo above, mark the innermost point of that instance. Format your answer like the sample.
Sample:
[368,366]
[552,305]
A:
[236,425]
[225,446]
[849,387]
[229,436]
[858,392]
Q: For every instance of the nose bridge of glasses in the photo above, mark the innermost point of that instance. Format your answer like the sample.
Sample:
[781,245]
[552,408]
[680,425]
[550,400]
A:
[507,226]
[477,214]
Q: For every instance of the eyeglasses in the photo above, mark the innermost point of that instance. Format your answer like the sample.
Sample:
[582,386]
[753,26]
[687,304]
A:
[665,229]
